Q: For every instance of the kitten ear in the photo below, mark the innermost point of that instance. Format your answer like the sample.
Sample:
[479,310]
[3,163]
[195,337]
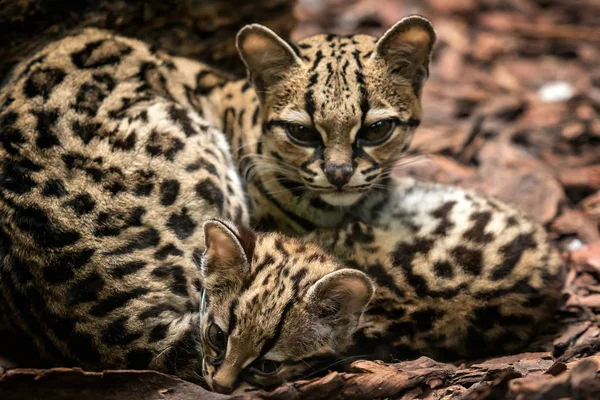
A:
[341,296]
[406,48]
[267,57]
[227,252]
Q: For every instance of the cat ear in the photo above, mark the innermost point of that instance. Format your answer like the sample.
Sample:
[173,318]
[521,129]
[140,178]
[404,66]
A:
[341,296]
[406,48]
[267,57]
[227,252]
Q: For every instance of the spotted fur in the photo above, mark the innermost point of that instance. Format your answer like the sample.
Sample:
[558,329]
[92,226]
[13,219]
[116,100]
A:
[115,160]
[108,172]
[337,88]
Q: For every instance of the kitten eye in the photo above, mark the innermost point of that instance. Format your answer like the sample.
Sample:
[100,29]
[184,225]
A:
[377,133]
[216,338]
[266,367]
[302,134]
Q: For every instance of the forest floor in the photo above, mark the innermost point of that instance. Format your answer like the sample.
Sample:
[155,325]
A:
[512,109]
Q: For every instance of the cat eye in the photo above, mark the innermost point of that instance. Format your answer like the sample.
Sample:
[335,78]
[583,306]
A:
[216,338]
[266,367]
[377,133]
[302,134]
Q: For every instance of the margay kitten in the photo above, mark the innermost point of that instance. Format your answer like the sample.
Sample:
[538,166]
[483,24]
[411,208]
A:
[112,161]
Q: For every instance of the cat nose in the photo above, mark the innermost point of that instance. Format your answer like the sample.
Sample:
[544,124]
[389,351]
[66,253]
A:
[221,389]
[338,174]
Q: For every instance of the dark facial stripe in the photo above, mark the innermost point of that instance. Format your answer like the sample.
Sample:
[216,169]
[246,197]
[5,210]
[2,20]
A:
[272,341]
[309,104]
[318,58]
[364,97]
[370,169]
[232,316]
[305,224]
[329,73]
[356,55]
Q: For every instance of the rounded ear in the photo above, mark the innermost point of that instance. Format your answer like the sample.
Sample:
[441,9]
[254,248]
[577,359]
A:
[226,260]
[341,295]
[406,47]
[267,56]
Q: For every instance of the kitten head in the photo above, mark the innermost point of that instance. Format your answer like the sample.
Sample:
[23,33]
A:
[276,308]
[338,111]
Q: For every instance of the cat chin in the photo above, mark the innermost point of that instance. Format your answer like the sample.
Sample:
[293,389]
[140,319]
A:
[341,199]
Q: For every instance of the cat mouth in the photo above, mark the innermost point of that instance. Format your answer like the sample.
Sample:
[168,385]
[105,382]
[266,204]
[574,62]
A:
[341,198]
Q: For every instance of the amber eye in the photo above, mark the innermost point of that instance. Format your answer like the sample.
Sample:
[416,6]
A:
[377,133]
[216,338]
[302,134]
[266,367]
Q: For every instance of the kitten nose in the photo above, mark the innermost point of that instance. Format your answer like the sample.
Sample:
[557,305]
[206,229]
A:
[338,174]
[221,389]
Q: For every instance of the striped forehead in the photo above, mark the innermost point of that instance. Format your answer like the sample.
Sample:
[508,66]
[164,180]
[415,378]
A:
[336,75]
[281,273]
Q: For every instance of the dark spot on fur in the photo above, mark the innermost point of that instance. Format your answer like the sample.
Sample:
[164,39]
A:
[181,224]
[100,53]
[127,143]
[424,319]
[477,232]
[128,268]
[116,333]
[63,267]
[147,238]
[15,178]
[471,261]
[443,213]
[46,120]
[82,204]
[89,98]
[164,144]
[116,300]
[165,251]
[85,130]
[181,117]
[10,137]
[512,253]
[85,290]
[139,359]
[157,310]
[46,233]
[158,333]
[42,82]
[211,193]
[443,269]
[178,283]
[169,190]
[82,344]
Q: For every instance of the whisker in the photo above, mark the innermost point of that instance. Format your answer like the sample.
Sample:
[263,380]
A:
[332,364]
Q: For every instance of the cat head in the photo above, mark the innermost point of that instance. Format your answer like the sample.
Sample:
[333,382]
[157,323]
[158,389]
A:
[276,307]
[338,111]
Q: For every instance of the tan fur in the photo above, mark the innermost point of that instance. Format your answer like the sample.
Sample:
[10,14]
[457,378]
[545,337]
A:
[115,161]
